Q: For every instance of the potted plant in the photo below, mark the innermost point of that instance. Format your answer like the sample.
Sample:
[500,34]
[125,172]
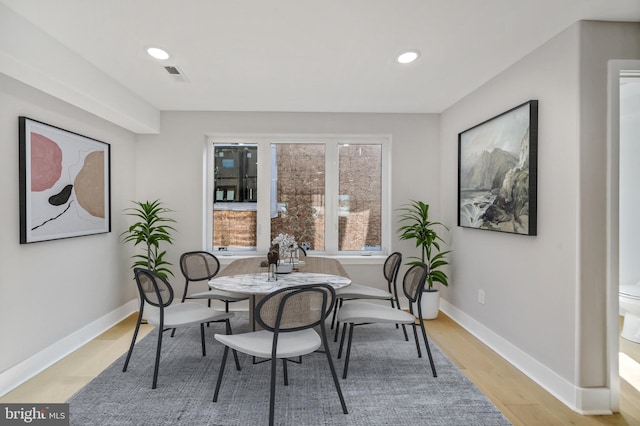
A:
[415,225]
[152,229]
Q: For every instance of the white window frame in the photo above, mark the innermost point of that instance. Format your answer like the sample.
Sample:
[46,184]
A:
[331,142]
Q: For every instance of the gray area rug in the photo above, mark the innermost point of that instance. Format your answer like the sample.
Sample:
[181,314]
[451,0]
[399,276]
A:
[387,385]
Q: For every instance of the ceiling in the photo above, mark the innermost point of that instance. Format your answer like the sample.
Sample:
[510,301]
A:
[309,55]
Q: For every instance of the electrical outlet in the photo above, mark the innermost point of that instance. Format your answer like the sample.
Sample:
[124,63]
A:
[481,296]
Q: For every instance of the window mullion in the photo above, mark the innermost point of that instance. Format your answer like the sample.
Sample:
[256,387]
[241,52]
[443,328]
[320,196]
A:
[264,196]
[331,197]
[387,214]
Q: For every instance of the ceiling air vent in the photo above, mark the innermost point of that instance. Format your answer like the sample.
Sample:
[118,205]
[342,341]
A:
[176,73]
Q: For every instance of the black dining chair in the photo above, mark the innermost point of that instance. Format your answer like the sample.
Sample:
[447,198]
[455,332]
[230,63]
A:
[287,317]
[202,266]
[364,313]
[364,292]
[157,293]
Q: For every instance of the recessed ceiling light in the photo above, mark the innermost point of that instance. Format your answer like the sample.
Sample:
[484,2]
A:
[158,53]
[408,56]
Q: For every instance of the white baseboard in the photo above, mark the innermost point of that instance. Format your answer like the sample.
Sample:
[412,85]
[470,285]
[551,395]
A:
[20,373]
[585,401]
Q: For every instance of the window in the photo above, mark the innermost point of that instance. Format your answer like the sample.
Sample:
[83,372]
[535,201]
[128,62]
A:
[299,171]
[235,183]
[235,173]
[330,193]
[359,197]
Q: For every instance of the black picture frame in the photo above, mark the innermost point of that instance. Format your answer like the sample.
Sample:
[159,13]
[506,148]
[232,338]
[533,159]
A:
[65,183]
[498,170]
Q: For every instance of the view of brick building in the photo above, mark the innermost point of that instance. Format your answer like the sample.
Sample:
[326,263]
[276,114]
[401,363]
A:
[301,200]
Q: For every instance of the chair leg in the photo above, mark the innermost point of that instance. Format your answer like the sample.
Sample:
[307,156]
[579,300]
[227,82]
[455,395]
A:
[204,347]
[235,354]
[335,337]
[285,372]
[333,370]
[393,305]
[346,358]
[184,294]
[133,342]
[335,313]
[426,343]
[220,373]
[208,306]
[272,390]
[157,366]
[396,304]
[344,331]
[415,335]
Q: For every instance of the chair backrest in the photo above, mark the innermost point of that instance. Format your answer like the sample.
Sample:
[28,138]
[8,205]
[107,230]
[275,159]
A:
[413,283]
[199,265]
[390,270]
[295,308]
[153,289]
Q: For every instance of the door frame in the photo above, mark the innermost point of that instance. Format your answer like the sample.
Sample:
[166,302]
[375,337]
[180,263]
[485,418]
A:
[615,69]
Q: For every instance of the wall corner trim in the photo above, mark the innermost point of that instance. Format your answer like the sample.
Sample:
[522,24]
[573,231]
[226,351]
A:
[25,370]
[585,401]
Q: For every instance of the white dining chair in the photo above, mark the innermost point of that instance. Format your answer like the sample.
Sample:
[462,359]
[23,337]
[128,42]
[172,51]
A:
[202,266]
[287,332]
[364,292]
[156,292]
[363,313]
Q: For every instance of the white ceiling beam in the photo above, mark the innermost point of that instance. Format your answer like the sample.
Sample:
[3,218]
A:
[31,56]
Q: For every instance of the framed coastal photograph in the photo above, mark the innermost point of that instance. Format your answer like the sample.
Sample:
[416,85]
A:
[497,172]
[64,183]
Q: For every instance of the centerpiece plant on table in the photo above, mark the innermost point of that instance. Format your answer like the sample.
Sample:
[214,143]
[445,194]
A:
[287,245]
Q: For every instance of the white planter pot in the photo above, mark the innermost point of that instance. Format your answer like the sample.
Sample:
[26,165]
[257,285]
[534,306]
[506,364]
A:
[430,305]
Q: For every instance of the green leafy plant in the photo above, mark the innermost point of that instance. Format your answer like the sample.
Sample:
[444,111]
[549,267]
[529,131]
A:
[415,225]
[152,229]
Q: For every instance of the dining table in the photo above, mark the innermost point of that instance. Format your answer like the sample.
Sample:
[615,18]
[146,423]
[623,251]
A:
[248,276]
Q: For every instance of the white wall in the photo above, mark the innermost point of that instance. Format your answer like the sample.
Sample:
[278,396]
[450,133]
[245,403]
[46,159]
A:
[529,281]
[545,295]
[50,290]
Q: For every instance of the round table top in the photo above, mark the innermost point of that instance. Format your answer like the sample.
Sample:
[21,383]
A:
[259,283]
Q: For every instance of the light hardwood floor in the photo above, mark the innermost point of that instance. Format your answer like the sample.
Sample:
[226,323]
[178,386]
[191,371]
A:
[521,400]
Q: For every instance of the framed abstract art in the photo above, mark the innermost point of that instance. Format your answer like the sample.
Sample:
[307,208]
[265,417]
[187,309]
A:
[64,183]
